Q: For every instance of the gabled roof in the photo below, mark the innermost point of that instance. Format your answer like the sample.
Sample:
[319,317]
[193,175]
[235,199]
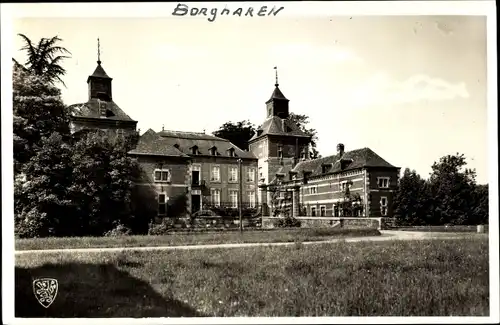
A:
[354,159]
[99,72]
[186,140]
[91,109]
[275,125]
[277,94]
[150,143]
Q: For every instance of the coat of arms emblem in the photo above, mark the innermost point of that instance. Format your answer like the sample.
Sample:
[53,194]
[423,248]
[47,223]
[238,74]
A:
[45,290]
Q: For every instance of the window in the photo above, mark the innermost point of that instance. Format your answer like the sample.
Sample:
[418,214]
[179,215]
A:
[251,199]
[213,151]
[303,154]
[260,173]
[231,152]
[345,185]
[280,152]
[383,206]
[162,204]
[215,175]
[233,174]
[194,150]
[215,194]
[119,132]
[383,182]
[313,211]
[322,211]
[233,198]
[162,175]
[102,109]
[251,174]
[313,190]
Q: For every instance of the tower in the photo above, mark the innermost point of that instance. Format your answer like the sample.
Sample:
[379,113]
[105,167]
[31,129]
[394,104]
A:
[99,83]
[279,143]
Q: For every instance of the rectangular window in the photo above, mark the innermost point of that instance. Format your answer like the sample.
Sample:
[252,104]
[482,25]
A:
[344,185]
[162,175]
[233,198]
[313,190]
[215,174]
[233,174]
[162,204]
[280,152]
[322,211]
[383,206]
[215,194]
[383,182]
[251,174]
[251,199]
[313,211]
[119,132]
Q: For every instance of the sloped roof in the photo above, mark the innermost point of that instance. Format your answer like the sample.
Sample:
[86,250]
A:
[360,158]
[277,94]
[91,109]
[187,140]
[275,125]
[99,72]
[150,143]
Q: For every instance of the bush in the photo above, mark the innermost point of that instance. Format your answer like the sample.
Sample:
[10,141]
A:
[287,222]
[119,230]
[157,229]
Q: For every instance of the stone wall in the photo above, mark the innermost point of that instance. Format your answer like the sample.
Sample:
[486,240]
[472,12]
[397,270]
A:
[326,222]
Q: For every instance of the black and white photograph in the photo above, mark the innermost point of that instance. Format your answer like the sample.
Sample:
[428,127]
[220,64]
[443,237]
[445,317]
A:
[250,162]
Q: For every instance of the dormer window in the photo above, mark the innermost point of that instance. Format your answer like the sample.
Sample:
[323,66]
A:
[213,151]
[231,152]
[303,154]
[194,150]
[325,168]
[176,146]
[344,163]
[102,109]
[280,152]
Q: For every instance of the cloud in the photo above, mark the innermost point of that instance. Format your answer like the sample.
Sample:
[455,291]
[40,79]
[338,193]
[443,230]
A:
[304,51]
[382,89]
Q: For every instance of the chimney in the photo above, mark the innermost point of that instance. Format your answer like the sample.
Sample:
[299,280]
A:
[340,150]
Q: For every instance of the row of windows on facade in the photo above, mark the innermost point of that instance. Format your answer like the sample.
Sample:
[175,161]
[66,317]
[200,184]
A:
[233,195]
[337,209]
[164,175]
[383,182]
[213,151]
[280,153]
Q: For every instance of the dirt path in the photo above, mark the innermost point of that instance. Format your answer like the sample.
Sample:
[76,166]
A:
[386,236]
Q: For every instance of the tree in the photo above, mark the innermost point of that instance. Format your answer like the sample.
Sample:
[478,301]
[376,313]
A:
[237,133]
[412,200]
[452,188]
[43,59]
[42,206]
[480,212]
[302,121]
[102,184]
[38,111]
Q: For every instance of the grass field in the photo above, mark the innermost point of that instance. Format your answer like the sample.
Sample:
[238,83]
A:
[252,236]
[441,228]
[395,278]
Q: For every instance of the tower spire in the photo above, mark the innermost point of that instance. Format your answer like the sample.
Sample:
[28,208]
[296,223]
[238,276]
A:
[276,84]
[98,51]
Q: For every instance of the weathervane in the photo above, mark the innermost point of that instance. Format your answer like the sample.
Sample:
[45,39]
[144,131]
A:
[98,51]
[276,84]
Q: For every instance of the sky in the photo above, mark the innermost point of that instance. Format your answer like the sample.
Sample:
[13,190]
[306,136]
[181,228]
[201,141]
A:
[411,88]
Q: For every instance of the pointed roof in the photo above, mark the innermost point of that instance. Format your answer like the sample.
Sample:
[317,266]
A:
[99,73]
[277,94]
[275,125]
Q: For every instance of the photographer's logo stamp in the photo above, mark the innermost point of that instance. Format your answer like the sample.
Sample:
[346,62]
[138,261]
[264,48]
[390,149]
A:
[45,290]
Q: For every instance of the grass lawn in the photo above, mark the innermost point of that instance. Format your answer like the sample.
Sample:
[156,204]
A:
[395,278]
[251,236]
[440,228]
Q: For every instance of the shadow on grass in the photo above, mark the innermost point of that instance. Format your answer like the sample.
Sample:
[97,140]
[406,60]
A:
[94,290]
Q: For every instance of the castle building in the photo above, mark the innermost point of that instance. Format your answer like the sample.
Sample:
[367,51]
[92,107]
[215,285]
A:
[187,172]
[317,187]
